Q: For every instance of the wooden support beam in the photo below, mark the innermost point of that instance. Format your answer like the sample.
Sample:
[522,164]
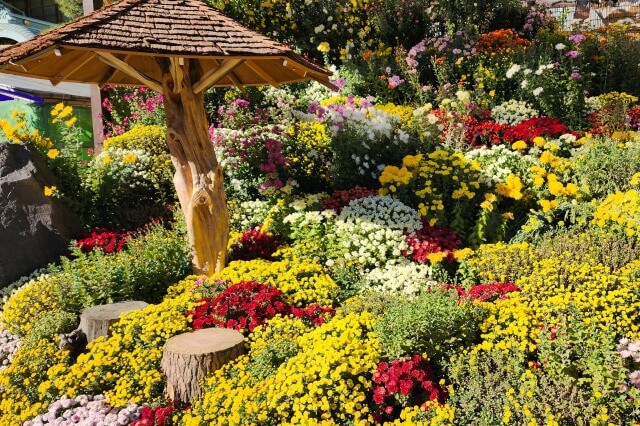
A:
[262,73]
[214,75]
[110,74]
[119,64]
[235,80]
[304,72]
[177,73]
[72,67]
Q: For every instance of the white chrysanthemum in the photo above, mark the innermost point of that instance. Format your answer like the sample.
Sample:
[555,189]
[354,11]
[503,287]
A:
[406,278]
[366,244]
[499,162]
[382,210]
[513,70]
[513,112]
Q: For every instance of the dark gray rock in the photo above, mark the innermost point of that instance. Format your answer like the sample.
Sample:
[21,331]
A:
[34,229]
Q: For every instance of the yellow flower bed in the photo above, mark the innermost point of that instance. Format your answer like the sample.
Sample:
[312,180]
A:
[28,304]
[435,183]
[326,382]
[125,366]
[301,282]
[20,396]
[607,300]
[309,149]
[502,262]
[619,212]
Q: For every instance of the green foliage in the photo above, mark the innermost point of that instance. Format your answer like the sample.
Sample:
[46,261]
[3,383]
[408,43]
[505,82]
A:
[71,9]
[615,56]
[605,166]
[50,325]
[142,271]
[348,279]
[481,16]
[607,248]
[576,377]
[434,323]
[481,382]
[266,362]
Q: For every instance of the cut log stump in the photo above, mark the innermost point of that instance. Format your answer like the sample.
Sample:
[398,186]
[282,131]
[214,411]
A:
[190,357]
[96,320]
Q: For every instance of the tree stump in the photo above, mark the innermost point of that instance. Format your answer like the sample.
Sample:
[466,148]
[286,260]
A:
[96,320]
[189,358]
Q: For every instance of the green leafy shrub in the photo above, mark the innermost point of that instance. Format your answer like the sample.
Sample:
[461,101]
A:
[481,382]
[51,324]
[435,323]
[613,250]
[143,271]
[604,166]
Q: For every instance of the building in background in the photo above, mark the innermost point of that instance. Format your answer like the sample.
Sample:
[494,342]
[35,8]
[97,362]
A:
[21,20]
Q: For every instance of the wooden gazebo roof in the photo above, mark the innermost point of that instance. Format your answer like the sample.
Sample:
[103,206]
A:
[105,46]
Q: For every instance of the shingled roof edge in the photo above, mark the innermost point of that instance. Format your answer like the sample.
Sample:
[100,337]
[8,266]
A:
[58,36]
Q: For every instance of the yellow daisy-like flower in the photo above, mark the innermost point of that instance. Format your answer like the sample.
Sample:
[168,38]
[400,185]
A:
[56,110]
[507,215]
[129,158]
[324,47]
[71,122]
[539,141]
[486,205]
[49,190]
[462,254]
[511,188]
[65,111]
[53,153]
[436,257]
[519,145]
[548,205]
[106,159]
[635,179]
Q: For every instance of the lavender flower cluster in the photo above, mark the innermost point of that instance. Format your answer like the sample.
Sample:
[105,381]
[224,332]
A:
[9,344]
[85,410]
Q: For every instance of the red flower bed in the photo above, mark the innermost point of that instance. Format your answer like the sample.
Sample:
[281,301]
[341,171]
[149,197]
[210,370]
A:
[534,127]
[340,199]
[484,292]
[491,292]
[485,133]
[109,241]
[246,305]
[255,244]
[403,383]
[432,239]
[155,416]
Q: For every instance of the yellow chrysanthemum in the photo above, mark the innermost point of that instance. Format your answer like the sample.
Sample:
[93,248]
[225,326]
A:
[519,145]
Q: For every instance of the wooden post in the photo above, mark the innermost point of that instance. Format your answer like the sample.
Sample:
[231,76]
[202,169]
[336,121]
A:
[96,99]
[189,358]
[198,178]
[96,320]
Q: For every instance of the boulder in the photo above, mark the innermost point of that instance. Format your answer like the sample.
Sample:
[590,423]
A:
[34,229]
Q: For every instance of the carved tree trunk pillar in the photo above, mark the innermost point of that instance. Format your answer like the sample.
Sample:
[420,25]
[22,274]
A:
[198,178]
